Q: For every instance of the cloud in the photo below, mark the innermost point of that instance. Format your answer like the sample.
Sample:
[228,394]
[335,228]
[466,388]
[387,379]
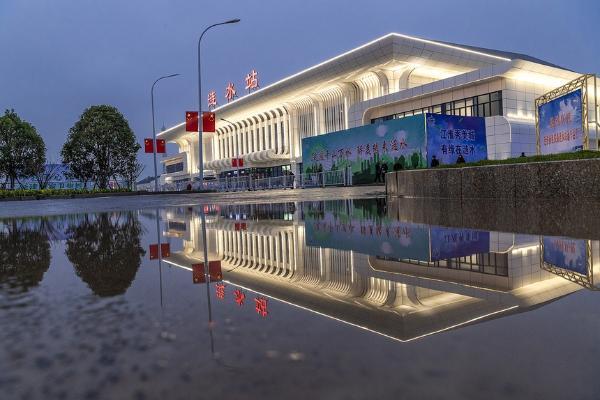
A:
[381,130]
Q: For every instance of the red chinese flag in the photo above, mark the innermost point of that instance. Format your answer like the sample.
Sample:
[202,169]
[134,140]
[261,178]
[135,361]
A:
[237,226]
[234,162]
[191,121]
[198,273]
[243,226]
[161,146]
[148,145]
[240,162]
[165,250]
[153,251]
[214,271]
[208,121]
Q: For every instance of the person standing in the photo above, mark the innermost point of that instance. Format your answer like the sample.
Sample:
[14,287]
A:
[377,172]
[460,159]
[434,162]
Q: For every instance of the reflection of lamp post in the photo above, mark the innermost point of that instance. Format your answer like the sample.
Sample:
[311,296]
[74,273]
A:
[154,129]
[159,257]
[200,157]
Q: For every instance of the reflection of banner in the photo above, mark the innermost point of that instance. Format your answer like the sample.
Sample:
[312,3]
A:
[397,141]
[452,242]
[450,136]
[392,239]
[565,253]
[560,124]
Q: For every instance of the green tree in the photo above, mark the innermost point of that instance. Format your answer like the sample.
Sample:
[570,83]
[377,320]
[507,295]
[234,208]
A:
[24,255]
[402,161]
[414,160]
[22,149]
[101,146]
[106,251]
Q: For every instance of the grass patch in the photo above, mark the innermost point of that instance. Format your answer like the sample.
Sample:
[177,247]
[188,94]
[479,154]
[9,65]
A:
[577,155]
[46,193]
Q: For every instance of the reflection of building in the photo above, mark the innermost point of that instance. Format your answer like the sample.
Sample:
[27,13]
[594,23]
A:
[401,299]
[391,77]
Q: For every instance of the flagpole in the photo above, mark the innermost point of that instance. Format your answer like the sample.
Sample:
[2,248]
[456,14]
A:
[200,156]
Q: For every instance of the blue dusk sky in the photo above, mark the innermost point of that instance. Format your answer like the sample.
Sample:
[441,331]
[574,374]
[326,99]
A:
[61,56]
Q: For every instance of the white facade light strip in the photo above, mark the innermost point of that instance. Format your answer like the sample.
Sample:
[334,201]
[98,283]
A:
[357,49]
[452,47]
[171,129]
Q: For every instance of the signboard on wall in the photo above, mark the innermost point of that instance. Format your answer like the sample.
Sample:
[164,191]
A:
[560,126]
[565,253]
[456,242]
[452,136]
[366,148]
[404,143]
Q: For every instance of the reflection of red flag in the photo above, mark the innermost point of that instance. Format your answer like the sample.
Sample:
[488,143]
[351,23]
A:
[198,273]
[165,250]
[214,271]
[208,121]
[240,162]
[161,146]
[148,145]
[234,162]
[191,121]
[153,251]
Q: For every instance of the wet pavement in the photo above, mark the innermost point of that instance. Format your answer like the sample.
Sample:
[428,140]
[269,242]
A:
[354,298]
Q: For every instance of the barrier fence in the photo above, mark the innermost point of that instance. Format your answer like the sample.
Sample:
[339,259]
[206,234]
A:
[233,184]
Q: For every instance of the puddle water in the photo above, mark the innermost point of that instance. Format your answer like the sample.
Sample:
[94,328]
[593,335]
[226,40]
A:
[343,299]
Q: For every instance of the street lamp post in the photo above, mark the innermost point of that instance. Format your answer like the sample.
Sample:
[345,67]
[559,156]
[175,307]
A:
[200,156]
[154,129]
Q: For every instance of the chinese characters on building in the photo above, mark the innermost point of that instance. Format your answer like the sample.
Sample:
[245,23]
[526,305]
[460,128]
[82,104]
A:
[383,147]
[230,92]
[212,99]
[251,81]
[463,135]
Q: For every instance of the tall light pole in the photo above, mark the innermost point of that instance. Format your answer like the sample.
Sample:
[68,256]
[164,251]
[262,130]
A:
[154,129]
[200,157]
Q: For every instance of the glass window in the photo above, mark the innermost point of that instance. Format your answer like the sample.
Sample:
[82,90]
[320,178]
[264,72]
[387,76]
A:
[484,98]
[496,108]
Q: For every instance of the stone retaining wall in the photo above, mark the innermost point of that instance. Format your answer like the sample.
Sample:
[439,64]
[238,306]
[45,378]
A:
[556,179]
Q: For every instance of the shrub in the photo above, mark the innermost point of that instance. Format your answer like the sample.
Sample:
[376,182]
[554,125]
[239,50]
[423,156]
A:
[577,155]
[44,193]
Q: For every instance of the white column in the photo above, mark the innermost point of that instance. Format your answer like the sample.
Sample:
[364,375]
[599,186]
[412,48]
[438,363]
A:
[272,135]
[287,133]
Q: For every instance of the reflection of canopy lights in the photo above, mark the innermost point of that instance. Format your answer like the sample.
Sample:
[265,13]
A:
[372,330]
[525,249]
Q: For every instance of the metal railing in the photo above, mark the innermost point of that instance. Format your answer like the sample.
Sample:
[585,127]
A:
[243,183]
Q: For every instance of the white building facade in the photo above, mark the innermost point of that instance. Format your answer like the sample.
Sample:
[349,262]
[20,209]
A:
[391,77]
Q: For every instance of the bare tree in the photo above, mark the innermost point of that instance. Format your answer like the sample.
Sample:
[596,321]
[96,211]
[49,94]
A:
[46,174]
